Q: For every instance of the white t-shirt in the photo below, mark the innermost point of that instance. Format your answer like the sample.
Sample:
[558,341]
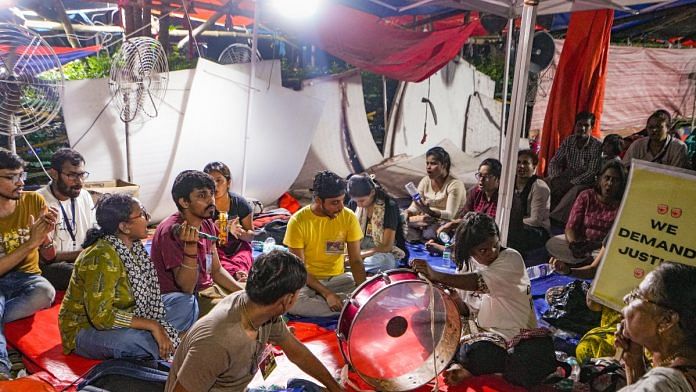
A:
[507,306]
[84,219]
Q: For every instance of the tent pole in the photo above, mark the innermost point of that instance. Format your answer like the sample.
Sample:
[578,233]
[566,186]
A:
[506,82]
[516,123]
[250,97]
[205,25]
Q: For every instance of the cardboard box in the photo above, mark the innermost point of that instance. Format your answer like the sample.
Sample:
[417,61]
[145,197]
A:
[99,188]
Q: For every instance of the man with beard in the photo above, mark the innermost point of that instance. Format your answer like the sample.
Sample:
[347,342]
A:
[25,226]
[189,269]
[659,146]
[482,197]
[320,234]
[66,194]
[576,163]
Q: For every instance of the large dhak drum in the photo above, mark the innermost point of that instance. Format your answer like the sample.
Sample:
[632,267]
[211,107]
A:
[386,335]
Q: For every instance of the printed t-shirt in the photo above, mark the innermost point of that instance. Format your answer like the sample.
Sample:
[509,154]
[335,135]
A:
[15,229]
[323,239]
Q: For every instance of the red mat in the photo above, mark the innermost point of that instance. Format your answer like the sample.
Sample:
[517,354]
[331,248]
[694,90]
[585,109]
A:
[38,339]
[324,345]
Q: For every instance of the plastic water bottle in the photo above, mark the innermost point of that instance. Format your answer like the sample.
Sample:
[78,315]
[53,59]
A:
[444,237]
[575,373]
[538,271]
[447,256]
[269,244]
[413,191]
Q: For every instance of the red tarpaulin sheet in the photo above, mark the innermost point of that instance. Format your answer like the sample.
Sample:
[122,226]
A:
[369,43]
[38,339]
[580,79]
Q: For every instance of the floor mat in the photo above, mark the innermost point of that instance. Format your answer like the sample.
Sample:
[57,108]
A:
[38,339]
[324,345]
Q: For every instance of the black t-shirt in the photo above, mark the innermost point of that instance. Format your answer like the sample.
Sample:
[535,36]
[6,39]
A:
[239,207]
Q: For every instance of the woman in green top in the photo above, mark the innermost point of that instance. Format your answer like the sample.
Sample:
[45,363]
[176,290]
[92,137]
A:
[113,307]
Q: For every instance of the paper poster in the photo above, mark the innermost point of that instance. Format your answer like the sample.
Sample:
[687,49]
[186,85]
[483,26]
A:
[656,222]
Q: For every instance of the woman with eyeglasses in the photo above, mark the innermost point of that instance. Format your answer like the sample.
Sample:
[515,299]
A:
[441,196]
[113,307]
[383,245]
[236,252]
[494,289]
[482,197]
[660,316]
[591,218]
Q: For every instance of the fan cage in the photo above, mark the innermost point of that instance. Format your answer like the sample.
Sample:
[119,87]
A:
[31,81]
[138,78]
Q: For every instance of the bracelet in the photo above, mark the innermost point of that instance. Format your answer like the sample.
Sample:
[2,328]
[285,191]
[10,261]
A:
[193,256]
[47,246]
[188,266]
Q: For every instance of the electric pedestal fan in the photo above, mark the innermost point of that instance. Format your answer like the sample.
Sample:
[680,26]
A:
[30,97]
[138,81]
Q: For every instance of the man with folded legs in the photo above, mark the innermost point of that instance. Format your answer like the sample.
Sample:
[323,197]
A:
[321,234]
[25,227]
[193,268]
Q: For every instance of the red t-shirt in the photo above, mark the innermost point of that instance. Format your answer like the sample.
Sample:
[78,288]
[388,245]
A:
[168,253]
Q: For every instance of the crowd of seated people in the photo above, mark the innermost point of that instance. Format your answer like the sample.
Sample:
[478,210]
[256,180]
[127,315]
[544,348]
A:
[196,300]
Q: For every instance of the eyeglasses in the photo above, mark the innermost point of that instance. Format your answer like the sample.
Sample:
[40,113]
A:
[15,177]
[77,176]
[143,214]
[483,177]
[636,294]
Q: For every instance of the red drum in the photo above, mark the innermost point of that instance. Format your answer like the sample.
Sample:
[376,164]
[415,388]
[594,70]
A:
[384,331]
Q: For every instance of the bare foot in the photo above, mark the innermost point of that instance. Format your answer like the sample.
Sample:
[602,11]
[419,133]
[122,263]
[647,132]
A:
[456,374]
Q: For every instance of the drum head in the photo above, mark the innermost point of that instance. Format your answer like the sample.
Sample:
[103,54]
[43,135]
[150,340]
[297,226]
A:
[391,345]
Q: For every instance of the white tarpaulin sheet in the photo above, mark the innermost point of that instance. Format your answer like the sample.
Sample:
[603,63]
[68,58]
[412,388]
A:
[459,95]
[201,120]
[639,81]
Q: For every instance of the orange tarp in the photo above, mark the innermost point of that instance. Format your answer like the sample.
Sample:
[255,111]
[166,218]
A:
[580,79]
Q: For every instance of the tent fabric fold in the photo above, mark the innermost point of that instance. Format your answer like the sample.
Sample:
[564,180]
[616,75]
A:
[371,44]
[580,79]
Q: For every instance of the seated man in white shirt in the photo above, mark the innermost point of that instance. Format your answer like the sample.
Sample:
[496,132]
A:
[659,146]
[76,214]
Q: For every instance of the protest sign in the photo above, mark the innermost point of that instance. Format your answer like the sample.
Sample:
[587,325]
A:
[656,222]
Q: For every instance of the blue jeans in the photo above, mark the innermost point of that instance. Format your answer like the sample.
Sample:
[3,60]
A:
[116,343]
[379,262]
[182,312]
[21,295]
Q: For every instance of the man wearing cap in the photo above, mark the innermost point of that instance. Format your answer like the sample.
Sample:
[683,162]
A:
[320,234]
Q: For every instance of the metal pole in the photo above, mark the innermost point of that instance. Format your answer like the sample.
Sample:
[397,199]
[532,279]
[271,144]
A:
[386,109]
[506,82]
[517,107]
[250,96]
[129,169]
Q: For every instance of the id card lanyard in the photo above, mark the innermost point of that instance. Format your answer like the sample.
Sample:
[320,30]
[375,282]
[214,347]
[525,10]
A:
[69,224]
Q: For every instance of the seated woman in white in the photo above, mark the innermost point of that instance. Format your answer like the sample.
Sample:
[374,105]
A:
[493,285]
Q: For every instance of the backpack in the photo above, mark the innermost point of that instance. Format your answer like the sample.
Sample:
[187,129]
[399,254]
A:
[126,375]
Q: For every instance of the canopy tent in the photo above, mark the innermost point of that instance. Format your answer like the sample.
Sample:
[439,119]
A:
[527,10]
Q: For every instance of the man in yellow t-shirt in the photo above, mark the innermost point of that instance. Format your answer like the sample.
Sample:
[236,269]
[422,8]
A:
[25,224]
[320,234]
